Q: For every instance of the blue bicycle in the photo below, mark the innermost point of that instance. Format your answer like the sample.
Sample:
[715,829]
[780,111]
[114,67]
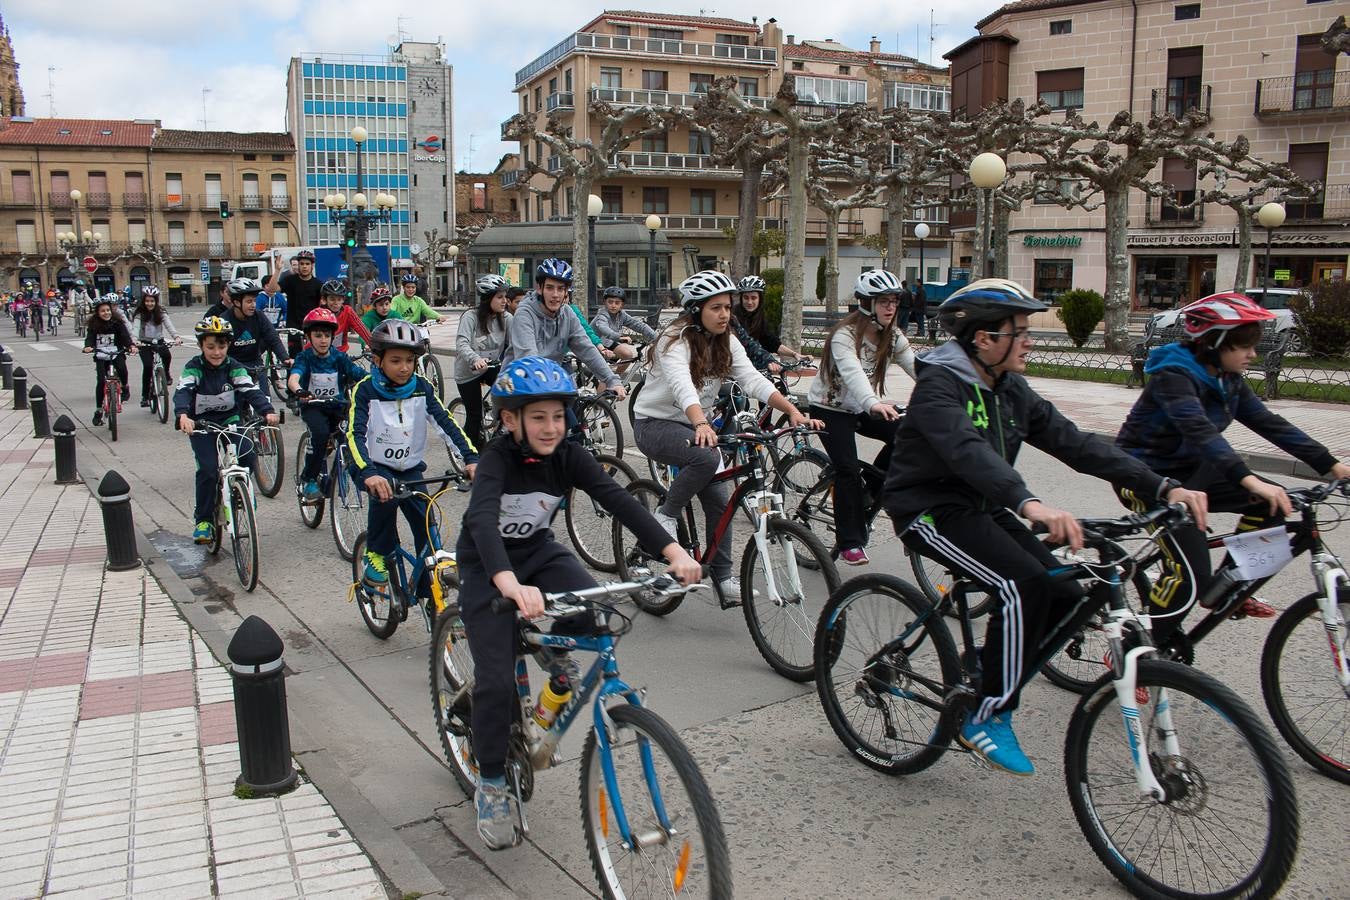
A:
[425,582]
[652,828]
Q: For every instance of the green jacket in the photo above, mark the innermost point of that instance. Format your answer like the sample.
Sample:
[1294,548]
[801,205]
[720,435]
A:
[371,318]
[590,332]
[414,309]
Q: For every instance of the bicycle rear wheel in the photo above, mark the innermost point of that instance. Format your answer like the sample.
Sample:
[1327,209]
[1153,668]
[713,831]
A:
[806,481]
[270,467]
[677,842]
[431,371]
[1301,687]
[885,663]
[630,556]
[590,525]
[451,697]
[782,623]
[112,399]
[160,399]
[244,540]
[602,425]
[1229,825]
[311,513]
[347,513]
[378,608]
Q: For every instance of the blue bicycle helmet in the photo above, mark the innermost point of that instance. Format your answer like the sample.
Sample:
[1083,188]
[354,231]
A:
[530,379]
[554,268]
[410,278]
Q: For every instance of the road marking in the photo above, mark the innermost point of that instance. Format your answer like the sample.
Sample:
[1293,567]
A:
[78,345]
[40,347]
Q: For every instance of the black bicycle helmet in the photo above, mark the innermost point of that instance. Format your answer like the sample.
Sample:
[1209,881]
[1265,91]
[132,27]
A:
[985,304]
[614,291]
[396,334]
[334,287]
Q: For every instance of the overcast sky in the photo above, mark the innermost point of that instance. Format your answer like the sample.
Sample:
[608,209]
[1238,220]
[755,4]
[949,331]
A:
[150,59]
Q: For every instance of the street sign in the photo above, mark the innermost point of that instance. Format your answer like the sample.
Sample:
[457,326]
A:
[1282,274]
[90,265]
[205,266]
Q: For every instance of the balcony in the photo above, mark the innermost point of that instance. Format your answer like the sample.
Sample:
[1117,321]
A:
[26,201]
[58,199]
[506,126]
[136,200]
[1176,107]
[1303,95]
[561,100]
[1160,212]
[692,163]
[210,250]
[1332,204]
[585,42]
[252,202]
[97,199]
[211,202]
[280,202]
[175,201]
[621,97]
[815,228]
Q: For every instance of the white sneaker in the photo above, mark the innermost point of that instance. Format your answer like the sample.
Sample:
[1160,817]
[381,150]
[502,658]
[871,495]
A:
[730,588]
[668,523]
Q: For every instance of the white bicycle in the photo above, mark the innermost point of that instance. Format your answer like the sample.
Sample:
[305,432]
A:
[235,503]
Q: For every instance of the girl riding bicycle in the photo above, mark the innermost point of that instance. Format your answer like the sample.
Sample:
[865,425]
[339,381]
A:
[506,547]
[322,376]
[1196,389]
[150,323]
[106,336]
[752,327]
[479,345]
[689,361]
[846,396]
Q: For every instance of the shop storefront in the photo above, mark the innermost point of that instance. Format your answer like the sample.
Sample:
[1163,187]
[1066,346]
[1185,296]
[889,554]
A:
[1054,262]
[1293,271]
[1164,282]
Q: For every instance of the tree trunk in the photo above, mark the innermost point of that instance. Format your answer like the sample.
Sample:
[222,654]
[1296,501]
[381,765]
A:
[581,257]
[832,260]
[794,276]
[1244,260]
[1117,270]
[1000,239]
[895,231]
[748,216]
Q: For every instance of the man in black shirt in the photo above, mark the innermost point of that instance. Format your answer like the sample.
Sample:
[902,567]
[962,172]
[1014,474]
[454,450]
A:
[301,288]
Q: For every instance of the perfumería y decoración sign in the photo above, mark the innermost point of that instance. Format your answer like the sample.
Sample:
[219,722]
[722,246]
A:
[1052,240]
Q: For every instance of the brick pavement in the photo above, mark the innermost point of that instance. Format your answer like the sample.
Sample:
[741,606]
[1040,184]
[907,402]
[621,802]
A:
[118,750]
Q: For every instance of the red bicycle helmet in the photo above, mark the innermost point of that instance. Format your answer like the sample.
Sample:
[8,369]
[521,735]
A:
[1221,312]
[320,318]
[380,292]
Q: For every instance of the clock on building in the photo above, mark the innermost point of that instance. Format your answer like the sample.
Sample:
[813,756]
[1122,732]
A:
[430,85]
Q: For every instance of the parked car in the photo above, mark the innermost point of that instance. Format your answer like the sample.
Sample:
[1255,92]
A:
[1274,299]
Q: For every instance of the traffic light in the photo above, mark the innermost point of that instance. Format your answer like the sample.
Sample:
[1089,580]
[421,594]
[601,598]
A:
[351,243]
[349,236]
[224,209]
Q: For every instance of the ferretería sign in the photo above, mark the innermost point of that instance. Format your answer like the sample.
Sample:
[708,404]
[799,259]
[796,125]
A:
[1057,240]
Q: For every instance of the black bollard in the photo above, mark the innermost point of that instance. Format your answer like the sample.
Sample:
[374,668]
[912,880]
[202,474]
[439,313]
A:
[37,402]
[65,450]
[260,709]
[6,370]
[119,533]
[20,388]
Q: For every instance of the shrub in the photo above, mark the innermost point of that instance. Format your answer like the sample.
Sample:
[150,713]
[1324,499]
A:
[773,297]
[1324,318]
[820,280]
[1081,311]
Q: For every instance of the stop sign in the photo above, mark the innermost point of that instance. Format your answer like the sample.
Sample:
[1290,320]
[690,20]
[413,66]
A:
[90,264]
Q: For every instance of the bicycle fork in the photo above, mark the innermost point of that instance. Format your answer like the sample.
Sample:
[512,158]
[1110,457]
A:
[1124,685]
[769,504]
[1327,572]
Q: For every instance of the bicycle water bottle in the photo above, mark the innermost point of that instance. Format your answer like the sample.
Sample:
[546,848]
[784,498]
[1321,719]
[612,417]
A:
[552,698]
[1223,581]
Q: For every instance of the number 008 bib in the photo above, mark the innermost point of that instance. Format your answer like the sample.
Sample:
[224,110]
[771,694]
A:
[523,514]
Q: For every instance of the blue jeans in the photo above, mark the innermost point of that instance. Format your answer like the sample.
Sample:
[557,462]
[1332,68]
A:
[208,469]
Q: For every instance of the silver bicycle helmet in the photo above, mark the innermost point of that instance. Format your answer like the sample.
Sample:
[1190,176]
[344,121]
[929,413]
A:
[701,287]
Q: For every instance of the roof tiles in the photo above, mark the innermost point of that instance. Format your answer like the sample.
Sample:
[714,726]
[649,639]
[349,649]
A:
[77,132]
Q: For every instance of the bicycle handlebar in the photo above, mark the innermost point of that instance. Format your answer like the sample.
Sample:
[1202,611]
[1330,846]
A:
[1305,498]
[566,603]
[404,489]
[1102,531]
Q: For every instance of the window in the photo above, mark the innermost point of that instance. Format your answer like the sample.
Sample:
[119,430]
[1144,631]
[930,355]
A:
[103,227]
[1314,74]
[739,40]
[1309,162]
[654,143]
[570,202]
[280,196]
[798,66]
[567,81]
[215,238]
[250,157]
[479,196]
[1186,11]
[747,87]
[279,233]
[252,233]
[1063,26]
[700,142]
[655,200]
[845,70]
[252,196]
[98,183]
[553,85]
[624,30]
[538,208]
[699,83]
[1050,190]
[611,77]
[1053,277]
[177,237]
[135,182]
[654,80]
[1061,88]
[830,91]
[61,186]
[665,34]
[22,185]
[1179,175]
[703,201]
[136,234]
[213,194]
[935,97]
[173,188]
[27,235]
[538,98]
[612,198]
[1184,65]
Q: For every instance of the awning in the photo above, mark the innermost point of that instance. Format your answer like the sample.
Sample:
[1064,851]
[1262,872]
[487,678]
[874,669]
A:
[555,237]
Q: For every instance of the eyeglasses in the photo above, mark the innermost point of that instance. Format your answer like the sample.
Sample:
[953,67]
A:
[1018,334]
[881,301]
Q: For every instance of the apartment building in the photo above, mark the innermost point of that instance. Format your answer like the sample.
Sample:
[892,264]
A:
[1256,66]
[403,100]
[154,195]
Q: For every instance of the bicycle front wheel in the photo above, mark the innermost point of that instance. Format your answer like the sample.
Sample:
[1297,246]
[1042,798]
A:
[1303,692]
[378,610]
[161,396]
[602,426]
[311,513]
[885,662]
[782,621]
[431,371]
[1229,824]
[675,842]
[347,512]
[457,412]
[244,540]
[630,556]
[451,697]
[590,525]
[270,466]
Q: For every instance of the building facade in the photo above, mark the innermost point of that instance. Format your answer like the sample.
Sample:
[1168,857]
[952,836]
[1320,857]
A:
[404,101]
[1257,68]
[154,196]
[11,92]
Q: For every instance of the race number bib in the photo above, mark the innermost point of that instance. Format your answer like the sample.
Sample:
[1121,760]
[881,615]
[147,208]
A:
[392,446]
[1259,554]
[523,514]
[323,385]
[209,403]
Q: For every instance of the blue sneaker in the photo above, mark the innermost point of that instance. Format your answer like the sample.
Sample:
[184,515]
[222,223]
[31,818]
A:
[203,533]
[376,574]
[311,491]
[994,741]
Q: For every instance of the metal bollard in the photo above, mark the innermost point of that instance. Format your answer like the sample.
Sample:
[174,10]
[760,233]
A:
[37,402]
[260,715]
[6,370]
[65,450]
[20,388]
[119,532]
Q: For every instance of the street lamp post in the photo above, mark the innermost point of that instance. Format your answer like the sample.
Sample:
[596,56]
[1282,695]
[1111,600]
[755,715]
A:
[1271,216]
[78,243]
[920,296]
[987,171]
[653,223]
[594,206]
[356,221]
[453,252]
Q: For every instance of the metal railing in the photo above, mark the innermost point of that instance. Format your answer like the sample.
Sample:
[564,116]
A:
[559,100]
[1176,107]
[278,201]
[21,202]
[97,199]
[175,201]
[135,200]
[682,162]
[210,202]
[740,54]
[59,199]
[1160,211]
[252,202]
[1303,94]
[1333,202]
[629,97]
[209,250]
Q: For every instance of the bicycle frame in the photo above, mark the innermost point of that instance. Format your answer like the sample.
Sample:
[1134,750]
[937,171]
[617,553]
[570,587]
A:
[231,470]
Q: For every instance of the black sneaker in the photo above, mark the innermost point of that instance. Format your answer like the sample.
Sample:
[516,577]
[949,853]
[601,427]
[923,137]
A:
[98,417]
[145,403]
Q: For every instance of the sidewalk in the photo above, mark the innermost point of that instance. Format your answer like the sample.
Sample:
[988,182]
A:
[118,751]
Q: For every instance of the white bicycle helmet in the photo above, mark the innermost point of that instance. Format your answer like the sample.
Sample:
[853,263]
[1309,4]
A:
[488,285]
[873,284]
[751,283]
[701,287]
[240,287]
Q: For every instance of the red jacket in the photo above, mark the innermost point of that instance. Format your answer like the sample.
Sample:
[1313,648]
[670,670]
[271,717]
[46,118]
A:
[348,320]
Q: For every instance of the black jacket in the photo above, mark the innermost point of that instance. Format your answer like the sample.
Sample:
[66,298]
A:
[960,438]
[253,335]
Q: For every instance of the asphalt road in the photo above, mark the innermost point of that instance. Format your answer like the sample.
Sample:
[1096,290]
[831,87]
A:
[803,820]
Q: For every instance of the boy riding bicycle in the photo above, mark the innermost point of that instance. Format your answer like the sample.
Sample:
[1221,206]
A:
[322,376]
[506,547]
[214,387]
[954,495]
[387,435]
